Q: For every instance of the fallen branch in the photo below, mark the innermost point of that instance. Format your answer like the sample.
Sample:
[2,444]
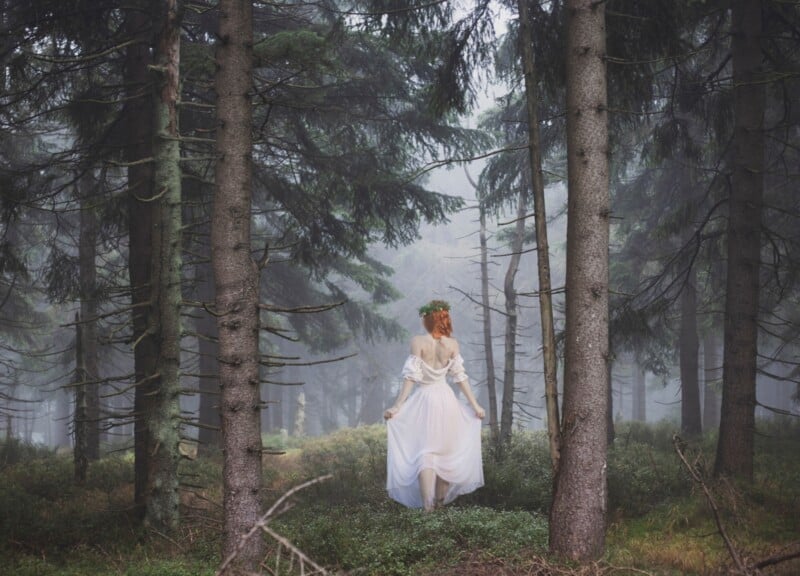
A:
[274,510]
[678,443]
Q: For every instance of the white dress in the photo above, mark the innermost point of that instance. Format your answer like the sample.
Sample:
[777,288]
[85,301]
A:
[433,430]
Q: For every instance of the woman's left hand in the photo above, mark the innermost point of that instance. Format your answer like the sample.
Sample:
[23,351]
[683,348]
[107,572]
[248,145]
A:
[480,412]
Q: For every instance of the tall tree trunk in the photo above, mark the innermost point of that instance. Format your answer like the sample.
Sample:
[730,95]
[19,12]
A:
[611,432]
[639,393]
[691,419]
[139,131]
[208,434]
[542,246]
[163,418]
[737,421]
[88,296]
[712,376]
[510,291]
[237,284]
[80,424]
[486,314]
[488,348]
[578,513]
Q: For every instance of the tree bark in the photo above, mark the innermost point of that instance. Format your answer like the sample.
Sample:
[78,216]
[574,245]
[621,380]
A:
[237,284]
[578,513]
[542,246]
[88,288]
[712,376]
[139,134]
[509,368]
[737,421]
[691,419]
[163,418]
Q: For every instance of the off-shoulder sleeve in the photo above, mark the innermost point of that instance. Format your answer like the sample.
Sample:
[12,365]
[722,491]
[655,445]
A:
[412,369]
[456,370]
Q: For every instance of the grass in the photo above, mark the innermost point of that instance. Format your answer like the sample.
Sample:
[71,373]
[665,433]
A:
[658,522]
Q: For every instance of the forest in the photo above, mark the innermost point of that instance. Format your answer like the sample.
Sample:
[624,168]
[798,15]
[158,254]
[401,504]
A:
[218,222]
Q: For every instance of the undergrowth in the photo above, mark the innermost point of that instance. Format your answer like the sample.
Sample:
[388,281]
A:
[658,521]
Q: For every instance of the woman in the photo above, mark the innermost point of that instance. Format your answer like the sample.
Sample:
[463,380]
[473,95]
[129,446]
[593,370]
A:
[434,441]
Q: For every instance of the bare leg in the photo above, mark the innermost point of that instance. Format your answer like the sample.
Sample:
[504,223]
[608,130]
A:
[441,490]
[427,488]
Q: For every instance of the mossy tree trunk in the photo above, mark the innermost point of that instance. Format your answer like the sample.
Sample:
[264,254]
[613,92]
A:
[237,284]
[549,360]
[578,513]
[737,419]
[163,417]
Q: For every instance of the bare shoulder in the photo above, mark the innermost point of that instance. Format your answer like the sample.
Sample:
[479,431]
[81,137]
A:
[417,344]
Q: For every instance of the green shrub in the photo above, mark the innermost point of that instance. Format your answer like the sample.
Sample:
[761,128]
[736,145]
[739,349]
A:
[641,477]
[395,541]
[521,480]
[356,457]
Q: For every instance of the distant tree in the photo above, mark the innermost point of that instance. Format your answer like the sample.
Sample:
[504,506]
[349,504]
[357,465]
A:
[578,513]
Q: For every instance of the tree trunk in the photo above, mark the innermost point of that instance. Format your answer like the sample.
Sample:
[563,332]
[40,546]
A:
[691,419]
[737,422]
[88,296]
[542,246]
[208,383]
[163,419]
[578,513]
[611,432]
[491,381]
[712,376]
[639,393]
[509,368]
[80,427]
[139,132]
[237,284]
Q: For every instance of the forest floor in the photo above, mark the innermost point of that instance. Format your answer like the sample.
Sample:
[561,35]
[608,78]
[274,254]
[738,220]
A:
[659,521]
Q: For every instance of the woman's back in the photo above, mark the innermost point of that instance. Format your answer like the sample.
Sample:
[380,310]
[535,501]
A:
[435,352]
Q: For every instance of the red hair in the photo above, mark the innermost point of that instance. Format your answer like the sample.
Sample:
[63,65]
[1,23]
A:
[438,323]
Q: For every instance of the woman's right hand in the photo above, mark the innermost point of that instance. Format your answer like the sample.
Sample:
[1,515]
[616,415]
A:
[389,412]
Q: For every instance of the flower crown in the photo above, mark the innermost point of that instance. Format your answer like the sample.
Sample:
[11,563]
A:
[434,306]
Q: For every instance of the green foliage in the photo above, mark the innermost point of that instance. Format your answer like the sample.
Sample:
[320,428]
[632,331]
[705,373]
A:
[356,457]
[658,522]
[522,479]
[394,541]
